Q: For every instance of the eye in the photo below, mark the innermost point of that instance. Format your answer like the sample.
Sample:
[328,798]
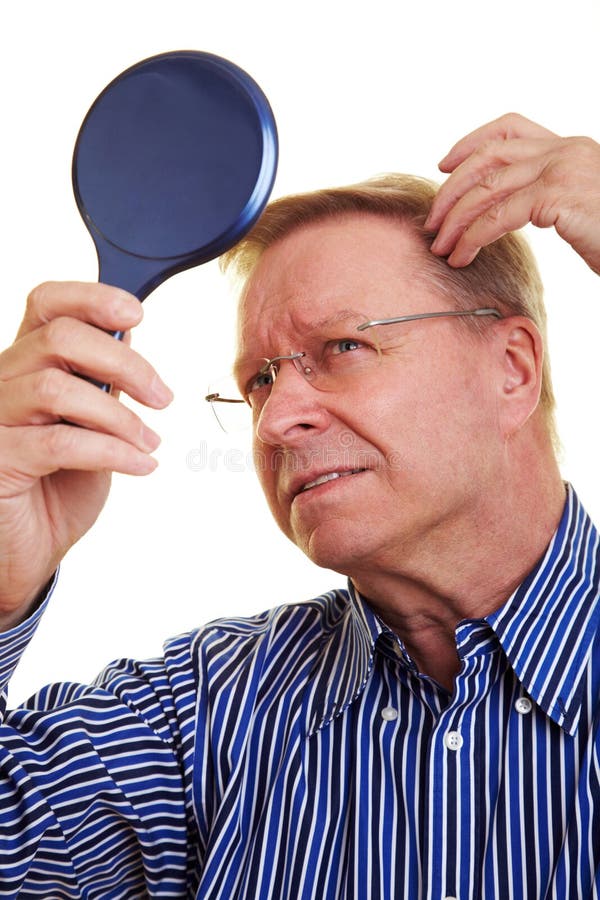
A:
[260,381]
[345,345]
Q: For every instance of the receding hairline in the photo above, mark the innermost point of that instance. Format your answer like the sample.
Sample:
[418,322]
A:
[414,250]
[401,199]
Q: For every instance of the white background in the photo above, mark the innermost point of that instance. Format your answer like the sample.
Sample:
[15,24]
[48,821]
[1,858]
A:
[357,89]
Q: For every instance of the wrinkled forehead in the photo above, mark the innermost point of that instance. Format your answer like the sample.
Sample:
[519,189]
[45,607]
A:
[360,264]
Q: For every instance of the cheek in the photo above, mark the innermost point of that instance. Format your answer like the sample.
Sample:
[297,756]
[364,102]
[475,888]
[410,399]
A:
[261,464]
[266,467]
[394,418]
[432,412]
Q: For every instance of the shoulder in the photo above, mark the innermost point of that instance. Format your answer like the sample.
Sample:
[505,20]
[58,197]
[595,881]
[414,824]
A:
[289,633]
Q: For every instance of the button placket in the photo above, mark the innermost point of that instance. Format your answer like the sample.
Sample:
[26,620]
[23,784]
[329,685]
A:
[456,747]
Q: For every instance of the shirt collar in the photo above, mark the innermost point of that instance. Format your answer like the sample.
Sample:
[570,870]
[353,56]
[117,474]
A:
[345,661]
[546,629]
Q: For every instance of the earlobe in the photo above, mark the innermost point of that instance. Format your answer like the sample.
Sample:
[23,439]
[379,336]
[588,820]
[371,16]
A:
[521,378]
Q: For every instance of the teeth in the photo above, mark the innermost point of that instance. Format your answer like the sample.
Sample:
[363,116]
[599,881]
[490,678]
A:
[329,476]
[321,480]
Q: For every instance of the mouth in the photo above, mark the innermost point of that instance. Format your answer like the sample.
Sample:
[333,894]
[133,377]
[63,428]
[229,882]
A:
[328,476]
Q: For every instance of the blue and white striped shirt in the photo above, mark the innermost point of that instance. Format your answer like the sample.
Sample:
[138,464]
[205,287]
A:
[299,754]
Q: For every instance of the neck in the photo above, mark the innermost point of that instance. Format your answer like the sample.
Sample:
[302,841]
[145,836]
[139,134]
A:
[467,572]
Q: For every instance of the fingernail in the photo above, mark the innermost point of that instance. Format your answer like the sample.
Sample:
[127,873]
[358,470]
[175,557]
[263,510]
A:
[150,439]
[160,392]
[431,223]
[144,465]
[127,308]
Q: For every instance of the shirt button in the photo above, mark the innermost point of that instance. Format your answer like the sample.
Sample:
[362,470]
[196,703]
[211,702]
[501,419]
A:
[389,713]
[453,741]
[523,705]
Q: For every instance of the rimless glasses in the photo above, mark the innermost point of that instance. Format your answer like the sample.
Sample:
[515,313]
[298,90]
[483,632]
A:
[337,357]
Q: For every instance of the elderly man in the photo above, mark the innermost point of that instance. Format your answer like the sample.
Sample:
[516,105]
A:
[434,731]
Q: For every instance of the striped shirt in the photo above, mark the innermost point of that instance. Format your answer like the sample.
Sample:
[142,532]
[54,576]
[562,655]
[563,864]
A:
[300,754]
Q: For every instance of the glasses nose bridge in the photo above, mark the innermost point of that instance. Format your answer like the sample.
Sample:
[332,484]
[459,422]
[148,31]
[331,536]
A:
[273,365]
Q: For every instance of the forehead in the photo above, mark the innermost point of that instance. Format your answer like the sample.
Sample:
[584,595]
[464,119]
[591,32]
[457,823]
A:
[366,263]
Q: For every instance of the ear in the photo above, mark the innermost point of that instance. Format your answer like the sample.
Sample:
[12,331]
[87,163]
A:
[521,354]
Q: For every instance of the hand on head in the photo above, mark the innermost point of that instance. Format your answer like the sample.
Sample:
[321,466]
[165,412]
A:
[510,172]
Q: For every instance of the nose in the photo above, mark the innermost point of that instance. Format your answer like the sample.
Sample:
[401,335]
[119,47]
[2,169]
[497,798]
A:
[292,408]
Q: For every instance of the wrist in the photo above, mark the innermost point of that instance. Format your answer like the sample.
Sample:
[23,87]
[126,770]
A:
[17,612]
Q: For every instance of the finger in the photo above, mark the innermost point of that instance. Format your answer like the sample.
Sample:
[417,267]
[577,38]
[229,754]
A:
[107,307]
[482,167]
[506,127]
[115,392]
[490,190]
[511,214]
[80,348]
[32,452]
[52,396]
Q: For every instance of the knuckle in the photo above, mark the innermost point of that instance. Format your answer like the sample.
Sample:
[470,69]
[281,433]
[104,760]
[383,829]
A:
[58,440]
[486,147]
[491,180]
[584,149]
[555,175]
[571,157]
[511,124]
[49,388]
[36,300]
[58,334]
[495,213]
[562,168]
[580,141]
[512,118]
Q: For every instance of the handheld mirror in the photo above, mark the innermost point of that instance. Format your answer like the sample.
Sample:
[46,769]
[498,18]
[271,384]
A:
[173,164]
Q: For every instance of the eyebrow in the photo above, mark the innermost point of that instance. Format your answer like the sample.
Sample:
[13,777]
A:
[341,315]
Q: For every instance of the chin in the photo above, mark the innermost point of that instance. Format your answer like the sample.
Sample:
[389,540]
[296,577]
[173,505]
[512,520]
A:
[332,548]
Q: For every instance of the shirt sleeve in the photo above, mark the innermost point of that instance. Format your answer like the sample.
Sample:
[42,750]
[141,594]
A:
[96,781]
[14,642]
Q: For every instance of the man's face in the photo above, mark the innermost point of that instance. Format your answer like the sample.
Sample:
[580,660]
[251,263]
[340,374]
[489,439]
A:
[419,426]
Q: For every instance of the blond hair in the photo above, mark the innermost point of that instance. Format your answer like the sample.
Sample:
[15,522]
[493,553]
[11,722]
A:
[503,274]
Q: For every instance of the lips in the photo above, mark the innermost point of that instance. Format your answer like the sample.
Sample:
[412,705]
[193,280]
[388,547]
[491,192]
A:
[325,477]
